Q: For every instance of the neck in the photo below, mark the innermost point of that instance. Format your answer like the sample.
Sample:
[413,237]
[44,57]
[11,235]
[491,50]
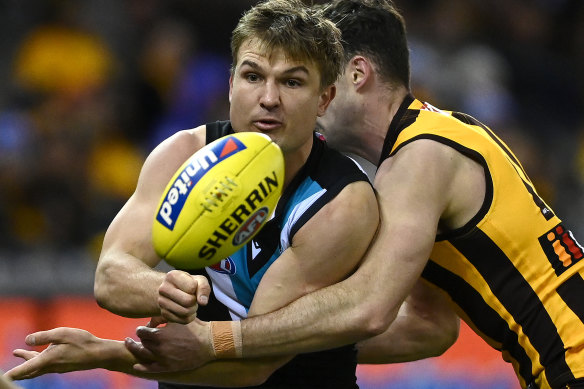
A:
[381,112]
[295,160]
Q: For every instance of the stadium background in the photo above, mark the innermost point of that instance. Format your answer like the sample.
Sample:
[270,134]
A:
[89,87]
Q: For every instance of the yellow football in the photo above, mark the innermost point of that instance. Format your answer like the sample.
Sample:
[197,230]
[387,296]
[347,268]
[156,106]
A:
[218,200]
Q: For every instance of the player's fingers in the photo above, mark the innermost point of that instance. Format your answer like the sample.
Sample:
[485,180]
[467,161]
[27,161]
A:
[153,367]
[176,296]
[182,280]
[147,333]
[38,339]
[25,354]
[138,350]
[203,289]
[176,313]
[41,338]
[29,369]
[150,338]
[181,305]
[156,321]
[29,375]
[173,317]
[17,374]
[14,374]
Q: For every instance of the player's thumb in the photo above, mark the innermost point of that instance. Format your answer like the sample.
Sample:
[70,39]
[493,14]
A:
[41,338]
[203,289]
[36,339]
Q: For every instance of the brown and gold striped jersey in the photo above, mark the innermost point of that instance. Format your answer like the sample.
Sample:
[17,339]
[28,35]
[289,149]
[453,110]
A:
[514,272]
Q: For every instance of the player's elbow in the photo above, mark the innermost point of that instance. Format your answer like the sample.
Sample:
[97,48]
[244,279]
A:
[446,337]
[100,292]
[373,320]
[438,331]
[102,287]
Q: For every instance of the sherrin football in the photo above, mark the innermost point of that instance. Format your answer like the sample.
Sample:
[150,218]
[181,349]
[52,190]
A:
[218,200]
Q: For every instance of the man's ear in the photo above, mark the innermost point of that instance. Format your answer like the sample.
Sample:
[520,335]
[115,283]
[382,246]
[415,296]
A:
[361,71]
[326,96]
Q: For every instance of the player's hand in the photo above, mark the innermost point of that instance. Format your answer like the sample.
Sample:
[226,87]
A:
[70,349]
[179,296]
[172,348]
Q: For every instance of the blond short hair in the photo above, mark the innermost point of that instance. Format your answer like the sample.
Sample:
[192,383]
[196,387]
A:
[297,29]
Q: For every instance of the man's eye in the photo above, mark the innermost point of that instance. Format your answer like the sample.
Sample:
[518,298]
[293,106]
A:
[293,83]
[252,77]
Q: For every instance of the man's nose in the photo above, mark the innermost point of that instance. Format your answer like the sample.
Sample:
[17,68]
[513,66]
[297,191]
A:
[270,97]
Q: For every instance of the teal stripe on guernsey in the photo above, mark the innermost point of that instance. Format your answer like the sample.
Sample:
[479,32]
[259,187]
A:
[305,191]
[243,285]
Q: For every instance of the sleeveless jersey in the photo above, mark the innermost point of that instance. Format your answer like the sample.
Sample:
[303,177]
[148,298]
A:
[235,279]
[514,272]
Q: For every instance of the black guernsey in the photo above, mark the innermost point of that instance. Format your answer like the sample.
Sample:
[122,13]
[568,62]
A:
[326,369]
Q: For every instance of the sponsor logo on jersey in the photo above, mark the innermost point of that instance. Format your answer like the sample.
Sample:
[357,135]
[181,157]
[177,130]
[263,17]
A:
[251,226]
[206,159]
[561,248]
[226,266]
[243,219]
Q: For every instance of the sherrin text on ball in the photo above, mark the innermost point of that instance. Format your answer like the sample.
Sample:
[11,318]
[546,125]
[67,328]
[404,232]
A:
[218,200]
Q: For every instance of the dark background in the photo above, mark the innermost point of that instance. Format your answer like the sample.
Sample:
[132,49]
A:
[90,87]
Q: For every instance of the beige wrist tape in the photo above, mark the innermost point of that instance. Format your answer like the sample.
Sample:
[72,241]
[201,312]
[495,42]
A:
[226,339]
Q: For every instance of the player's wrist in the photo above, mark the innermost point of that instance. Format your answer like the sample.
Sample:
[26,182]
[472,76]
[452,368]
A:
[226,339]
[114,356]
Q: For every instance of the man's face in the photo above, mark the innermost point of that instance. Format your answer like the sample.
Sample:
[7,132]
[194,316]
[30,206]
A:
[278,96]
[341,119]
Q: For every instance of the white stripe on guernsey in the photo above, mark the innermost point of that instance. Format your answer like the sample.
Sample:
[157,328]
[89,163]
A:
[296,214]
[363,164]
[225,294]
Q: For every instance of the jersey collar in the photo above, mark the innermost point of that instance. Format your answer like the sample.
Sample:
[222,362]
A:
[394,126]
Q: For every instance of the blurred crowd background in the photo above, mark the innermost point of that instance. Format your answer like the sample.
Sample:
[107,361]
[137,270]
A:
[88,88]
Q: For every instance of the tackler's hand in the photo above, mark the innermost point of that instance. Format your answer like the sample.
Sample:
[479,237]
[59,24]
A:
[172,348]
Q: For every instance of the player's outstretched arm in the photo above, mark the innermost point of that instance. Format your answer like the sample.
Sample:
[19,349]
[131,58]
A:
[72,349]
[125,282]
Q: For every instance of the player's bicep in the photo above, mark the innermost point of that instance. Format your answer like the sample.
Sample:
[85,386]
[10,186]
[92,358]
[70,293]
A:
[131,230]
[129,233]
[415,186]
[324,251]
[413,190]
